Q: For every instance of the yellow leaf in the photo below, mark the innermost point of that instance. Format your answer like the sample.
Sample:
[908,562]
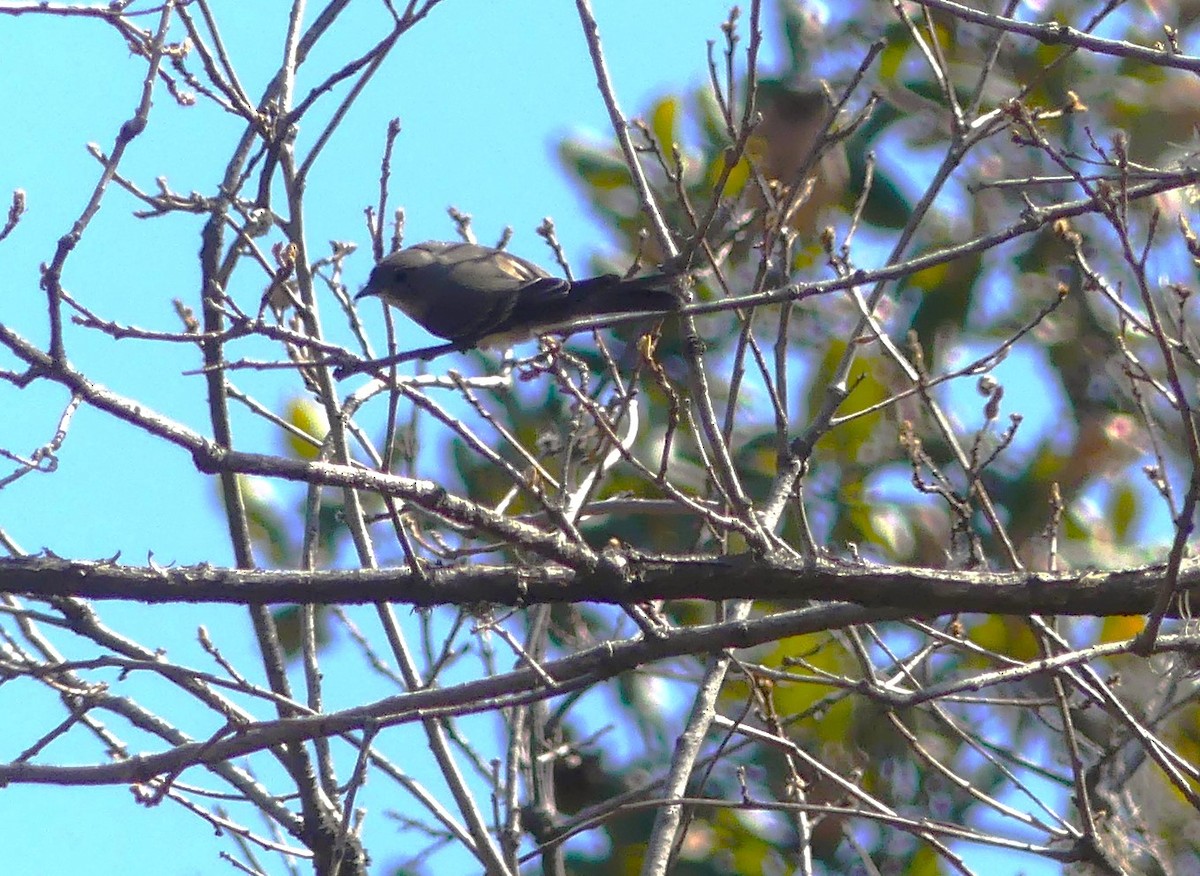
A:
[1121,627]
[662,123]
[737,177]
[891,59]
[308,417]
[1005,635]
[1124,510]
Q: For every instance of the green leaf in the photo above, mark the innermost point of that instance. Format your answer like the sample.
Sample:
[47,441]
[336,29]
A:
[1123,511]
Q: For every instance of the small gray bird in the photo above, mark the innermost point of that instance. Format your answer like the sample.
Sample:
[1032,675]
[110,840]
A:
[477,296]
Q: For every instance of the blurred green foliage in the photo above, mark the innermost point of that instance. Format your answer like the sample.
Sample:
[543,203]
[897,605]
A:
[974,302]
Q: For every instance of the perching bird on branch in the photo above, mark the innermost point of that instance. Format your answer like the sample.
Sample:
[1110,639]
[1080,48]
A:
[477,296]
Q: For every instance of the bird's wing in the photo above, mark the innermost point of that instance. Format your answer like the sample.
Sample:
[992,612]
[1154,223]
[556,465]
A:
[509,279]
[482,267]
[478,288]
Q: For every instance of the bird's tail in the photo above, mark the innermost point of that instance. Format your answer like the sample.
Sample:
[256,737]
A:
[611,294]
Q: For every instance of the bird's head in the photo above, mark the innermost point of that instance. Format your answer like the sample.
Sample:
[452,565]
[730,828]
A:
[393,281]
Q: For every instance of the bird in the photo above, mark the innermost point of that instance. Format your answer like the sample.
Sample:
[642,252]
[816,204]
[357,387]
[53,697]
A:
[794,117]
[479,296]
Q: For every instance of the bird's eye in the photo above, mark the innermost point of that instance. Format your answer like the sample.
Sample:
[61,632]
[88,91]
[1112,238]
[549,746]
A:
[399,275]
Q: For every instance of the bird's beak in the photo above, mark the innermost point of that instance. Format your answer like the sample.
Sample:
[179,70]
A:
[367,292]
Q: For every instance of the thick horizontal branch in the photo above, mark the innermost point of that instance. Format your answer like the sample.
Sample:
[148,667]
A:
[502,690]
[624,578]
